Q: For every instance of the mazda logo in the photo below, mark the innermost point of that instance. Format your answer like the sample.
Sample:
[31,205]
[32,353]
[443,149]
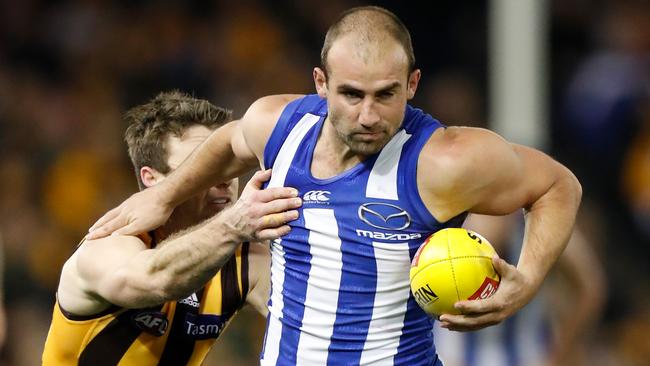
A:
[384,216]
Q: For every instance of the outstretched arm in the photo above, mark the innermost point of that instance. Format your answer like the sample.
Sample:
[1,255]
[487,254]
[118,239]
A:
[121,271]
[482,173]
[228,152]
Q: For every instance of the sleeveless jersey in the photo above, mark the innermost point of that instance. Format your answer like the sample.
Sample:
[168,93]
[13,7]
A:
[175,333]
[340,278]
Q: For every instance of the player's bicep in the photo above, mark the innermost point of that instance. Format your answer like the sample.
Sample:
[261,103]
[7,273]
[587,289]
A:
[258,123]
[102,267]
[516,177]
[242,146]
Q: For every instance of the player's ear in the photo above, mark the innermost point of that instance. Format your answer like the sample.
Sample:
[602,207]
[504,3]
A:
[412,86]
[320,80]
[150,176]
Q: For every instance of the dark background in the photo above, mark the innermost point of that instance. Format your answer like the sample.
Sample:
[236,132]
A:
[68,69]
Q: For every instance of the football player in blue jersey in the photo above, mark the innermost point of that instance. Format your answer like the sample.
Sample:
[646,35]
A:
[377,176]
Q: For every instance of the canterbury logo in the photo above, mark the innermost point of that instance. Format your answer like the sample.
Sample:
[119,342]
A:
[316,196]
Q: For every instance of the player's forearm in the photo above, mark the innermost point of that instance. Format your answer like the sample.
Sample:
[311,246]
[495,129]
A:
[549,224]
[186,261]
[177,267]
[204,167]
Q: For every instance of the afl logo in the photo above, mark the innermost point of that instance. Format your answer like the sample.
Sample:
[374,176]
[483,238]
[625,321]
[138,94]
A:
[384,216]
[152,322]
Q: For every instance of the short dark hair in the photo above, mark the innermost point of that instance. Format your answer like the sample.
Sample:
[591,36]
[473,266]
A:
[368,19]
[168,114]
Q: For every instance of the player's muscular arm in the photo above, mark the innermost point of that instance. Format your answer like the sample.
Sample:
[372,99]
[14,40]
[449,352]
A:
[179,266]
[480,172]
[211,162]
[228,152]
[256,126]
[114,269]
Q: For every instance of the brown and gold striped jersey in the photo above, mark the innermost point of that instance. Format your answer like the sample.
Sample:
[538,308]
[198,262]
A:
[175,333]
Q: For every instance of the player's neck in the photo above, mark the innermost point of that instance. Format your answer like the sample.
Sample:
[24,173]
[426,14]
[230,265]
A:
[173,225]
[332,156]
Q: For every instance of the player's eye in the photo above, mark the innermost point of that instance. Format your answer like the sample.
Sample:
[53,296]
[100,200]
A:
[385,95]
[352,94]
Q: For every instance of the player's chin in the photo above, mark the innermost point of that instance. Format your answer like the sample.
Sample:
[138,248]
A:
[367,146]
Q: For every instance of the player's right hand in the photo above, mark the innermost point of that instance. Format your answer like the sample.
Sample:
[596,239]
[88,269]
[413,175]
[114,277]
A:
[262,214]
[143,211]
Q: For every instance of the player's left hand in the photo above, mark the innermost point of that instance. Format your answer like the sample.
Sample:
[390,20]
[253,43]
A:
[514,292]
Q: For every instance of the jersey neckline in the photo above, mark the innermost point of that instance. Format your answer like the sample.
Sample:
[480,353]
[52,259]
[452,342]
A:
[354,170]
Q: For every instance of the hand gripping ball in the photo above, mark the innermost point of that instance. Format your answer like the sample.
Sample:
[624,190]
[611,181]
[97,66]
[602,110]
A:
[451,265]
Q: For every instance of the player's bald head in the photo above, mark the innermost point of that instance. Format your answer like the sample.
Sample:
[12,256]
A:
[370,27]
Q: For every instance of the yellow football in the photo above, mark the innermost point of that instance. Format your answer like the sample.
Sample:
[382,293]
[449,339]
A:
[451,265]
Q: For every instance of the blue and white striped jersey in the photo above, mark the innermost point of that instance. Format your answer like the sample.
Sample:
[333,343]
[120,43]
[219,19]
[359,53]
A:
[340,285]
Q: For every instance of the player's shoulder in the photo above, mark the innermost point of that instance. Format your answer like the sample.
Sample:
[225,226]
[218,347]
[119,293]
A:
[453,145]
[271,104]
[460,152]
[93,259]
[93,256]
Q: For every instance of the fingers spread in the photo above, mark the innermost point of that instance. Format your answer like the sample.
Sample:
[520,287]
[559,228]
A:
[110,215]
[258,179]
[270,234]
[275,193]
[130,229]
[280,205]
[107,228]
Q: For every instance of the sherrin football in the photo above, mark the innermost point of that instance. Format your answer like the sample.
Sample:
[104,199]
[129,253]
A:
[451,265]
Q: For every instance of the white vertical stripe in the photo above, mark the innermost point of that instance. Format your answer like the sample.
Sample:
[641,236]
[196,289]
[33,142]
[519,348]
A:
[274,330]
[382,182]
[321,300]
[390,304]
[289,147]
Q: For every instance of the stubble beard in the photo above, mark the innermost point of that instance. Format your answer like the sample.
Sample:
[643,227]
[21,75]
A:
[364,148]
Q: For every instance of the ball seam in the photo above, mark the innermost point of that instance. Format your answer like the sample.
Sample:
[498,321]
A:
[451,263]
[459,257]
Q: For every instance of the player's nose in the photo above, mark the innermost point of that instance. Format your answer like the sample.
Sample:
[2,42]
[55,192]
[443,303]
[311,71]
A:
[368,115]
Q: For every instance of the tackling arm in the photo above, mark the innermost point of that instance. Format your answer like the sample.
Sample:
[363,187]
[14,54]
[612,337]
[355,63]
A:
[122,271]
[228,152]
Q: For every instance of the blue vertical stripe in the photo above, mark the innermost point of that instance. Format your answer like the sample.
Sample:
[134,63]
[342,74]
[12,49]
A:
[356,299]
[471,342]
[294,290]
[416,343]
[510,340]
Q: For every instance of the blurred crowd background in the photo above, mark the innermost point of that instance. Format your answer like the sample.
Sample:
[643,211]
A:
[69,69]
